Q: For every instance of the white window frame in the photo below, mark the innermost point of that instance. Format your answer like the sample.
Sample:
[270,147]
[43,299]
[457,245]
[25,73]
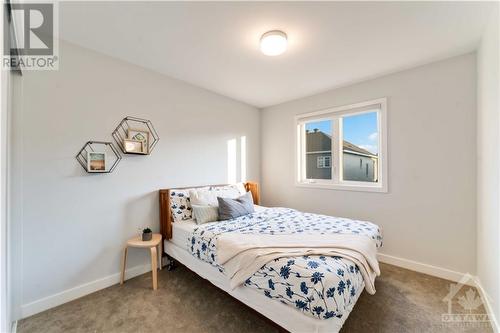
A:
[323,164]
[335,114]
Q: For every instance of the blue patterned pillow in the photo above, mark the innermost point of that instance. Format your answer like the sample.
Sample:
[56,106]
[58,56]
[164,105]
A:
[233,208]
[180,205]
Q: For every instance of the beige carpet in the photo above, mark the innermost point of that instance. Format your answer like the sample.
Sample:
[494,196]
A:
[405,302]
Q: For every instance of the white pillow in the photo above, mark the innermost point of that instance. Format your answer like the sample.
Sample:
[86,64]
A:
[203,197]
[209,197]
[241,188]
[229,191]
[206,199]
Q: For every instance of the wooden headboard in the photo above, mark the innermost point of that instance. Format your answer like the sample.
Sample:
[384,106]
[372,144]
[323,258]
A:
[166,215]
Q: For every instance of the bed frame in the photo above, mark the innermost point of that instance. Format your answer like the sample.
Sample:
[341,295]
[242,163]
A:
[166,218]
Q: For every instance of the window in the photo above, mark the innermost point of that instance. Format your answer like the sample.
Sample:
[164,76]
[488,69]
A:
[343,147]
[324,162]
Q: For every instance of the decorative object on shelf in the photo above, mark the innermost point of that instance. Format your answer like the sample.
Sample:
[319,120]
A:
[97,157]
[96,161]
[134,146]
[131,132]
[139,136]
[147,234]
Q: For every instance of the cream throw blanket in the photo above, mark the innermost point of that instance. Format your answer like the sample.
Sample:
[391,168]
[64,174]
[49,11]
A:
[242,255]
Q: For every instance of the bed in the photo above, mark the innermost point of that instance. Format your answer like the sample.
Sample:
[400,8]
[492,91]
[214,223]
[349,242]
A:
[307,293]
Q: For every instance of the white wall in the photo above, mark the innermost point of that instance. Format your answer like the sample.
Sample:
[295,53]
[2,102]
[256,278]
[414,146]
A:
[75,224]
[429,213]
[488,164]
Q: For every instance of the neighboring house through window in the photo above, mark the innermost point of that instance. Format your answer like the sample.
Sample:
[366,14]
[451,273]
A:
[331,142]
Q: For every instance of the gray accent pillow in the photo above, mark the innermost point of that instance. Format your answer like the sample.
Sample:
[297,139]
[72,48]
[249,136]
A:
[233,208]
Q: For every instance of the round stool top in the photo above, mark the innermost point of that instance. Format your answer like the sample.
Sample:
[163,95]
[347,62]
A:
[138,242]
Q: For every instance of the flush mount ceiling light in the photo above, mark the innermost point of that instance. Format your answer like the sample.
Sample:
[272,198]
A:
[273,43]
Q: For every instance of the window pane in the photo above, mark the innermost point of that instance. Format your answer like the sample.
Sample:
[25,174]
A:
[360,147]
[319,150]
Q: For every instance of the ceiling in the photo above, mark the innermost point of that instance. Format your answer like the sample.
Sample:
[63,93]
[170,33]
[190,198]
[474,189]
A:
[331,44]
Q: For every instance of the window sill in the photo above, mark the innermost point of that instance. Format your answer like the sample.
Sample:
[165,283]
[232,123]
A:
[344,187]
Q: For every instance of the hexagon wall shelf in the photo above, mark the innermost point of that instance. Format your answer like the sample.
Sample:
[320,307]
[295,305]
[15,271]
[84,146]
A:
[138,124]
[99,146]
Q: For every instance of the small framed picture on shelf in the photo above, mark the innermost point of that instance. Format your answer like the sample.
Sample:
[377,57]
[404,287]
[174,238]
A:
[140,135]
[134,146]
[96,161]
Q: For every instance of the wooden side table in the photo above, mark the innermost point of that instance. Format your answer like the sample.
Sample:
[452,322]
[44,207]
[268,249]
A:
[155,256]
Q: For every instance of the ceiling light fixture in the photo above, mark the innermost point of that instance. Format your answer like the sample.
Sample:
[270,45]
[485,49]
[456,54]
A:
[273,43]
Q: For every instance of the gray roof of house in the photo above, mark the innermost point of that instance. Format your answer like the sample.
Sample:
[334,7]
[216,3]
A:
[356,149]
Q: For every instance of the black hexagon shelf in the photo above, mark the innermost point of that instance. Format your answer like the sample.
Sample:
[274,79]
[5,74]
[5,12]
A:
[99,146]
[135,124]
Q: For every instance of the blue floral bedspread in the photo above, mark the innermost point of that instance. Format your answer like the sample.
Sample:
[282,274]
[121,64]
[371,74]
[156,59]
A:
[319,286]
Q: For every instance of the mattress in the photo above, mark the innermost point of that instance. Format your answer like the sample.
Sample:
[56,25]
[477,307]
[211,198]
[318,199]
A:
[181,231]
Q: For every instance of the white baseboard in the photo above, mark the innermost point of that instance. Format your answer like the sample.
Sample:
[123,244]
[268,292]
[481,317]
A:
[13,327]
[487,304]
[79,291]
[416,266]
